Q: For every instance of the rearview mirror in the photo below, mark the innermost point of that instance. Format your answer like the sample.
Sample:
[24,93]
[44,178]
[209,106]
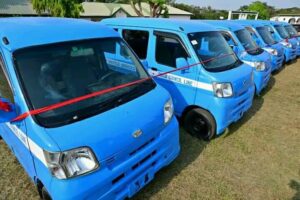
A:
[7,111]
[181,63]
[124,51]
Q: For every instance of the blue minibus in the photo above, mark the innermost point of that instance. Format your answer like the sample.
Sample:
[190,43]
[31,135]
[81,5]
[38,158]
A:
[293,35]
[74,143]
[259,31]
[280,34]
[215,91]
[247,50]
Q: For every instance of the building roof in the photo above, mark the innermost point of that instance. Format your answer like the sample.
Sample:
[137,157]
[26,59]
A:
[16,7]
[91,9]
[33,31]
[186,26]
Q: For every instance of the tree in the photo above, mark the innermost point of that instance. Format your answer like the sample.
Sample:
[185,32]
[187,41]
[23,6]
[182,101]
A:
[265,11]
[58,8]
[157,7]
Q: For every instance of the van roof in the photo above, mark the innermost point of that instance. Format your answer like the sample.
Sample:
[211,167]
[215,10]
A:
[24,32]
[279,23]
[224,24]
[185,26]
[254,23]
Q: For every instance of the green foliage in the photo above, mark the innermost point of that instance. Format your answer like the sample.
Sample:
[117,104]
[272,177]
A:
[294,10]
[58,8]
[157,7]
[265,11]
[201,12]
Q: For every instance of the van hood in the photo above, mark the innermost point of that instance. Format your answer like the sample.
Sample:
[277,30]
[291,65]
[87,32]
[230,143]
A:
[240,78]
[111,134]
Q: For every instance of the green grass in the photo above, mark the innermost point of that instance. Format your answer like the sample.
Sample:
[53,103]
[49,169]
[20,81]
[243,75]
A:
[258,157]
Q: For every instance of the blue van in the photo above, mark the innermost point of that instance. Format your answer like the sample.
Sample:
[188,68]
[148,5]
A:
[247,50]
[105,147]
[259,31]
[209,96]
[294,36]
[281,35]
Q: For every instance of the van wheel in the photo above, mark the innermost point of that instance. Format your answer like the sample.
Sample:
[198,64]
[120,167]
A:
[45,195]
[200,123]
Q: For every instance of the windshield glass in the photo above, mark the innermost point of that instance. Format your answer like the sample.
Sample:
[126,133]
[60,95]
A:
[58,72]
[291,31]
[248,42]
[282,32]
[209,45]
[266,35]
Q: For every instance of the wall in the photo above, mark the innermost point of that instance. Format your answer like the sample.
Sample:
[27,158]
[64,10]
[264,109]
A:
[183,17]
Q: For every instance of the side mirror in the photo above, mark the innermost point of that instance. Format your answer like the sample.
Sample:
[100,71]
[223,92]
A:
[7,111]
[235,49]
[145,64]
[182,62]
[258,42]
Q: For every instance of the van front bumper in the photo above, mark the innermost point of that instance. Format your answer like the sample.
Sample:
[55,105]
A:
[277,62]
[126,179]
[229,110]
[298,51]
[290,54]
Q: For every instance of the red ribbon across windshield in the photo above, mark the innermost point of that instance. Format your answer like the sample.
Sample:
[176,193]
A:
[105,91]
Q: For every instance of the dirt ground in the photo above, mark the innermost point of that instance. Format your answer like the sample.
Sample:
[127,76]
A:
[258,158]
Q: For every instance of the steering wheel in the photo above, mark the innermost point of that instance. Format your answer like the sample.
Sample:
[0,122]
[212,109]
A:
[107,75]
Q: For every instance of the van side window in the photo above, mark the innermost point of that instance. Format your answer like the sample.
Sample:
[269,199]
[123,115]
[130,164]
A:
[138,41]
[5,90]
[168,49]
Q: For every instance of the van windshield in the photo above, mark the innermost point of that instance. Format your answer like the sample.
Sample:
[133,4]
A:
[266,35]
[291,31]
[214,51]
[282,32]
[51,74]
[248,42]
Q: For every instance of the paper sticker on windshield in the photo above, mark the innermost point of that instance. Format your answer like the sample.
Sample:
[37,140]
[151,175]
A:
[194,42]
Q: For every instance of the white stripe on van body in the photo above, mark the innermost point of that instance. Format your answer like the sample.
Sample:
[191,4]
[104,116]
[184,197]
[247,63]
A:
[35,149]
[185,81]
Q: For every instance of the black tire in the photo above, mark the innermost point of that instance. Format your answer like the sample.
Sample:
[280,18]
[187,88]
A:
[200,123]
[45,195]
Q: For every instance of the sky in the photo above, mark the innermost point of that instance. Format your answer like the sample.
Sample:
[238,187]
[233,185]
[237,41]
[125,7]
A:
[235,4]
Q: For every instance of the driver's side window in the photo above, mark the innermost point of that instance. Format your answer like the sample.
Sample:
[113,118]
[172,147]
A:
[5,89]
[168,49]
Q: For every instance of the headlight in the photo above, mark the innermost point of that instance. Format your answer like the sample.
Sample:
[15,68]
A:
[68,164]
[168,111]
[286,44]
[271,51]
[298,43]
[223,90]
[259,66]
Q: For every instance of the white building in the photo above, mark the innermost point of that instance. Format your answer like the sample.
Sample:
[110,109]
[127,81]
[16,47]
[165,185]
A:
[290,18]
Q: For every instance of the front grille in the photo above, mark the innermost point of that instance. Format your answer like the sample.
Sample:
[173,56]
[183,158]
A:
[143,160]
[141,147]
[135,167]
